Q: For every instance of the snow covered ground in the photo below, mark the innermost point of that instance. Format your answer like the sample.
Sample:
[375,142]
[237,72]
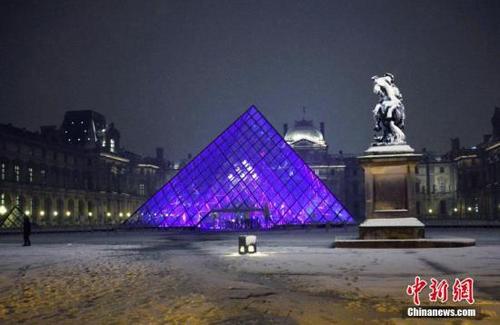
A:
[178,277]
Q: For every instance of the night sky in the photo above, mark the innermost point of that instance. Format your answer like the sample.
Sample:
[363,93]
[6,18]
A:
[176,73]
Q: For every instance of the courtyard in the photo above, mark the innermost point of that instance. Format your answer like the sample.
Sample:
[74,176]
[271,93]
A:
[154,277]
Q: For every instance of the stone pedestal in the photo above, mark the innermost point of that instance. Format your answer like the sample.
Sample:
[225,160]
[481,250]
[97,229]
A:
[390,204]
[390,193]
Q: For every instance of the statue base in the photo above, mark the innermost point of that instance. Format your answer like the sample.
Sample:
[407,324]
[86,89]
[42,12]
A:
[391,228]
[390,193]
[390,203]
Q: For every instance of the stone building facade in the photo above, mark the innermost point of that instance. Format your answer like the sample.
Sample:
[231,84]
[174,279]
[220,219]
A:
[478,168]
[436,186]
[75,174]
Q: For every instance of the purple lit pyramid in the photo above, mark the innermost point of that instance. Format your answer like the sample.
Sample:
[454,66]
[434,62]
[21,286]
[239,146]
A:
[247,178]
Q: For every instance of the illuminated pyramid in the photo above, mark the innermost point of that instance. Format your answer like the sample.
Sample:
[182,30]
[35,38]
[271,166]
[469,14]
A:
[247,178]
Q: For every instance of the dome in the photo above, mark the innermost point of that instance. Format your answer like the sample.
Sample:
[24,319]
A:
[305,130]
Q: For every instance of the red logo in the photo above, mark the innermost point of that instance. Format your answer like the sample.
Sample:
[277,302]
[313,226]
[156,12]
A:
[463,290]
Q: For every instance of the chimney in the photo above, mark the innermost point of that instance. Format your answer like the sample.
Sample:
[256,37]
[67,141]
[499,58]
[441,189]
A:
[285,128]
[159,153]
[455,144]
[322,128]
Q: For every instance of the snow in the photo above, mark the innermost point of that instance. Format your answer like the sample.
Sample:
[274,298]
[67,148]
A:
[392,222]
[190,277]
[390,149]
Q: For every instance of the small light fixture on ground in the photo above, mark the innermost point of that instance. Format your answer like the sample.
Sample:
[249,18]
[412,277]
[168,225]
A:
[42,213]
[455,209]
[68,213]
[27,212]
[55,213]
[430,210]
[121,214]
[128,214]
[108,214]
[3,210]
[247,244]
[90,213]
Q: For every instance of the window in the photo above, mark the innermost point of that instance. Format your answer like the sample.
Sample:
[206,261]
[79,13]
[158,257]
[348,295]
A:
[416,169]
[142,190]
[442,185]
[2,171]
[441,170]
[43,175]
[112,145]
[30,174]
[17,173]
[104,142]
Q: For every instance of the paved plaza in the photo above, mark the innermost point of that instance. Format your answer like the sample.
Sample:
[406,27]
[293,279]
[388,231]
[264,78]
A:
[150,277]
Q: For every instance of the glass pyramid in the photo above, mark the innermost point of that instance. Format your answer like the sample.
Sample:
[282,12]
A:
[247,178]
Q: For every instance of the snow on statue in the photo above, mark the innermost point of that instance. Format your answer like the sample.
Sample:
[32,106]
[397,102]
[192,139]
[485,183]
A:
[389,113]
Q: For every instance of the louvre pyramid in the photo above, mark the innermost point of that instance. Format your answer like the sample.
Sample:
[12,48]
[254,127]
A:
[248,177]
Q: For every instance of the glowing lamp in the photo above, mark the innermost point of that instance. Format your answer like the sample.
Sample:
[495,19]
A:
[247,244]
[3,210]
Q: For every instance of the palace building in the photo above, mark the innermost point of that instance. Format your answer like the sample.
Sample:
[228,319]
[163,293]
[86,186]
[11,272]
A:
[76,174]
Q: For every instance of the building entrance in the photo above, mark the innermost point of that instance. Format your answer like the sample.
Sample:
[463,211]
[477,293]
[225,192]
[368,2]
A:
[234,219]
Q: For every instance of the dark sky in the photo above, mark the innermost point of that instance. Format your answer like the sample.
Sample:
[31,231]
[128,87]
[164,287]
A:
[176,73]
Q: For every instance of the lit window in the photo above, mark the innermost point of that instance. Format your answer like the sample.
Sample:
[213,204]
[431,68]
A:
[30,174]
[142,190]
[112,145]
[17,172]
[104,142]
[2,171]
